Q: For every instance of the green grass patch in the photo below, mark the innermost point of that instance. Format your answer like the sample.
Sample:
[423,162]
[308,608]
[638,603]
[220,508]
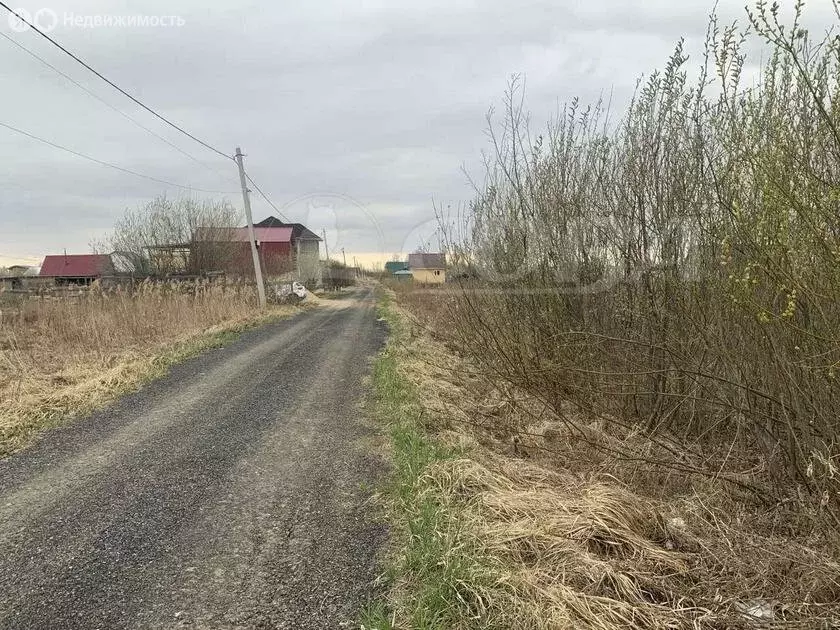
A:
[434,572]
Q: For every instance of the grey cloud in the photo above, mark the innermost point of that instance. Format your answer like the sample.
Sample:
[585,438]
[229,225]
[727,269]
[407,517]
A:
[377,103]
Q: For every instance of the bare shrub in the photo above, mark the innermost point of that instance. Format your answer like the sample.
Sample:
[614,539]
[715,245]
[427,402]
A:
[571,524]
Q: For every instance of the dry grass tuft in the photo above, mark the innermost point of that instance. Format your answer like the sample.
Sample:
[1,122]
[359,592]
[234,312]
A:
[576,554]
[592,554]
[70,355]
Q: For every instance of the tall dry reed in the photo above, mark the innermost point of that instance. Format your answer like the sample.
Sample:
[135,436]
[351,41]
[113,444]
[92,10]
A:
[68,354]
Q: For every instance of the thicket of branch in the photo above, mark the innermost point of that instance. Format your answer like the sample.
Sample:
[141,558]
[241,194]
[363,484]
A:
[176,235]
[678,273]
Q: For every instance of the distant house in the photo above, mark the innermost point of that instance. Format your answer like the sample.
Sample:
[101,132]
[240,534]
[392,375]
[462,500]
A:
[282,248]
[18,277]
[393,266]
[306,246]
[215,249]
[427,268]
[80,269]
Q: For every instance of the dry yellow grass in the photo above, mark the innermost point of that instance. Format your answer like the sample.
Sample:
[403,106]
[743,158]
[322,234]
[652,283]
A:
[575,539]
[69,355]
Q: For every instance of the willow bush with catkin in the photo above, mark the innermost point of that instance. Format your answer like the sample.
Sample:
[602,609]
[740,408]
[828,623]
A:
[676,274]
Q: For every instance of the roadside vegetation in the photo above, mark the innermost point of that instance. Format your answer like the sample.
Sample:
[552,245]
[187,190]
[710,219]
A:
[68,349]
[682,269]
[431,565]
[61,357]
[633,401]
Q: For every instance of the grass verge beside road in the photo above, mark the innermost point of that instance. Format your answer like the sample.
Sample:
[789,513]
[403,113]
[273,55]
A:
[62,359]
[432,570]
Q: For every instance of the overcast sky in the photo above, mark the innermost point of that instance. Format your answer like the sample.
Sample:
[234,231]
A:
[354,116]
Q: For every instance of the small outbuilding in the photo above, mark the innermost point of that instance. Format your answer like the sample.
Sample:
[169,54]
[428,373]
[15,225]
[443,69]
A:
[18,277]
[403,275]
[393,266]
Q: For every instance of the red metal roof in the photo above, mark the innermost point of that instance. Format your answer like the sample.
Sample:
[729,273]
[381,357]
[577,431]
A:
[76,266]
[240,235]
[266,235]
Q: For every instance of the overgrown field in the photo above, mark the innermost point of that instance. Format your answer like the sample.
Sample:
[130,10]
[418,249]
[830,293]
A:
[60,357]
[506,516]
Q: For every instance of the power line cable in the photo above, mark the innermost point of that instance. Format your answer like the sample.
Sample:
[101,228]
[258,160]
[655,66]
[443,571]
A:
[107,104]
[109,82]
[264,196]
[109,165]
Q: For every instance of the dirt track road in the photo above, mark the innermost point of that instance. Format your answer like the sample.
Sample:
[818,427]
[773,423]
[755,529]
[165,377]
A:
[230,494]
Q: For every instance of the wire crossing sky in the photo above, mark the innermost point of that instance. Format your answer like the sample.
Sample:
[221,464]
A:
[26,24]
[109,165]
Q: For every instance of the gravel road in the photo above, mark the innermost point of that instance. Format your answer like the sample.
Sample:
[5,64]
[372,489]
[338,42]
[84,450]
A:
[233,493]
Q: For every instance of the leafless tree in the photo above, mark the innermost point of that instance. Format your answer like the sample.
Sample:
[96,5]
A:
[176,235]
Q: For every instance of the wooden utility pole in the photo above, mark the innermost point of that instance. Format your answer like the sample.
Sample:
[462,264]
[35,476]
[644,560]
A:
[297,258]
[251,236]
[326,246]
[344,256]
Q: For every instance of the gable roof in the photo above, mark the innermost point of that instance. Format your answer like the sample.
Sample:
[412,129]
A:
[299,231]
[76,266]
[240,235]
[265,234]
[426,261]
[396,265]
